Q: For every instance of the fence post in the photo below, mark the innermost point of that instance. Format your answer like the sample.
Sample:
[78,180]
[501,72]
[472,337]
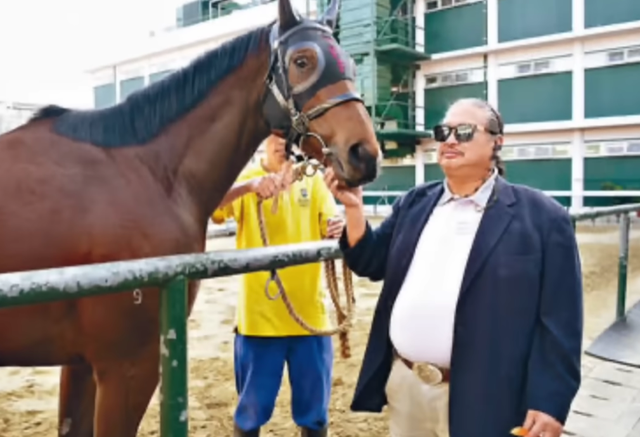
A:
[623,262]
[173,359]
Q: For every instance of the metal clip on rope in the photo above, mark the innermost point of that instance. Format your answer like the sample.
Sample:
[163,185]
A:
[272,279]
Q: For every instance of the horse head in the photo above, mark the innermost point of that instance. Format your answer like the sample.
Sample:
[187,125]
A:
[311,98]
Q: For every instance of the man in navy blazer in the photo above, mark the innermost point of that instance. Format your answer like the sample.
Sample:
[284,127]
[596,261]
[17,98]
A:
[514,339]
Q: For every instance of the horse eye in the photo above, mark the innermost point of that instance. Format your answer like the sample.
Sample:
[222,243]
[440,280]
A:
[301,62]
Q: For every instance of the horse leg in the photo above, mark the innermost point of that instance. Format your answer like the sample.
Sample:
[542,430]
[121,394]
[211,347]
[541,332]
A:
[124,391]
[77,401]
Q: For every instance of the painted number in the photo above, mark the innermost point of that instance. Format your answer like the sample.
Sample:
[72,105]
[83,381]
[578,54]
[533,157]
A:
[137,296]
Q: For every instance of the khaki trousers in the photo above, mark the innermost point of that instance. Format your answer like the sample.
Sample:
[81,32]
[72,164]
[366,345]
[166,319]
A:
[416,409]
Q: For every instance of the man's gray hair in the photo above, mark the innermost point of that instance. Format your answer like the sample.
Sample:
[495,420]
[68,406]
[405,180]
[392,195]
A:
[494,125]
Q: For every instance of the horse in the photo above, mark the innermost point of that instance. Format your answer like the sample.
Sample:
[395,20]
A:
[140,179]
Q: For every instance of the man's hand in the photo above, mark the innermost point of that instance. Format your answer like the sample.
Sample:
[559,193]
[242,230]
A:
[335,225]
[538,424]
[273,184]
[349,197]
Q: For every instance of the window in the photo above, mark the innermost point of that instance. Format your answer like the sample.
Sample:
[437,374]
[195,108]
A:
[615,56]
[633,53]
[432,80]
[434,5]
[524,152]
[592,149]
[615,148]
[430,157]
[542,151]
[536,151]
[507,153]
[104,95]
[156,77]
[523,68]
[612,148]
[545,85]
[460,77]
[620,55]
[540,66]
[561,150]
[129,86]
[557,64]
[610,83]
[399,160]
[633,147]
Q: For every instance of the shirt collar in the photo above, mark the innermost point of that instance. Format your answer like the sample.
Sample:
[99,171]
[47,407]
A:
[480,197]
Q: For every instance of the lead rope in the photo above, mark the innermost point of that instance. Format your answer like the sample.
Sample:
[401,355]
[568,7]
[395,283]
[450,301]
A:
[344,316]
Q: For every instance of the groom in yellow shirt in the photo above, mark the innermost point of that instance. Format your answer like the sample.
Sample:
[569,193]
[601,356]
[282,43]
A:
[267,336]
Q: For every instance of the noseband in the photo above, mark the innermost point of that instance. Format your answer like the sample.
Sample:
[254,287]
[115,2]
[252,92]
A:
[282,105]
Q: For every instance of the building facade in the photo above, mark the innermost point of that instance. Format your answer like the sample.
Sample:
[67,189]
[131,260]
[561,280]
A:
[563,73]
[14,114]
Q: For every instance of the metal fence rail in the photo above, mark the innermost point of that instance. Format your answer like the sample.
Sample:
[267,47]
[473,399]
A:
[622,212]
[48,285]
[172,274]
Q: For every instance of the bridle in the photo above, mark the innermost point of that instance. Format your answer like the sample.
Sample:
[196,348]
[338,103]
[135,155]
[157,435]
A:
[282,107]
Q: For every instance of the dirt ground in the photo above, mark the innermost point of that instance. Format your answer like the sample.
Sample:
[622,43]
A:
[28,396]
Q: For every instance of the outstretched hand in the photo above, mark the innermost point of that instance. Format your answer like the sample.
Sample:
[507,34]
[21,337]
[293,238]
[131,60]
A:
[349,197]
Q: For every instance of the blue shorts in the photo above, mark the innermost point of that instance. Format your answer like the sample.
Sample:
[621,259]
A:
[259,366]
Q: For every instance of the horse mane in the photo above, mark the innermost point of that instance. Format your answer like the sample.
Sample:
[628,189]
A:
[146,112]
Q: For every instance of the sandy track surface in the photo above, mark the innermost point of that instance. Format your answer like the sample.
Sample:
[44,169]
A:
[28,396]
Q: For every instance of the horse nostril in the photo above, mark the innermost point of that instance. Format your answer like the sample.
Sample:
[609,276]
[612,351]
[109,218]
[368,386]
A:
[361,158]
[355,154]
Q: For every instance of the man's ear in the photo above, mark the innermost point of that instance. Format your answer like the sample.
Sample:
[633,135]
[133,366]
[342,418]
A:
[498,143]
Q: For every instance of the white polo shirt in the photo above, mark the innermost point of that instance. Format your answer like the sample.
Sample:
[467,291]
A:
[422,319]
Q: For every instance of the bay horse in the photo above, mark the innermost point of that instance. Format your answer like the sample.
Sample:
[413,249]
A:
[140,179]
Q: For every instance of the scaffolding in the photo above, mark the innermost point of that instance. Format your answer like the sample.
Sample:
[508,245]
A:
[381,37]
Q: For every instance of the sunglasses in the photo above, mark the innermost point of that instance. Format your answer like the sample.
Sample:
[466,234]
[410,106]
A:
[463,133]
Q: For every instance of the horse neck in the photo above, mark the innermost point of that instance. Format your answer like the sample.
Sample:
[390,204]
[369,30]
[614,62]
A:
[209,147]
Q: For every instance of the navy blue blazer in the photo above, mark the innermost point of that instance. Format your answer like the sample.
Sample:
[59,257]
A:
[518,327]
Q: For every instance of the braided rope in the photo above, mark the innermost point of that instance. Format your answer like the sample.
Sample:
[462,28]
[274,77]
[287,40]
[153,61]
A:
[344,315]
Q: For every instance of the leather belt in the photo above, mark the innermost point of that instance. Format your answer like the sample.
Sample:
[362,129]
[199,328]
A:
[430,374]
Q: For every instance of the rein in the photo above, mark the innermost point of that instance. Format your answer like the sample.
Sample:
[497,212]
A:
[283,112]
[344,315]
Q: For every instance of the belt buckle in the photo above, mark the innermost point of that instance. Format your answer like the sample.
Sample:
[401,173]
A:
[428,373]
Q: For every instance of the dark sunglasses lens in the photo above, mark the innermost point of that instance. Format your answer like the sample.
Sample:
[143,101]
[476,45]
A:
[464,133]
[441,133]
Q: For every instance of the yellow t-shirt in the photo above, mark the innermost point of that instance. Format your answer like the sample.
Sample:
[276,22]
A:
[301,216]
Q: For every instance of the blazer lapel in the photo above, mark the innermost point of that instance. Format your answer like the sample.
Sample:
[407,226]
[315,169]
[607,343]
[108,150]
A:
[495,221]
[412,225]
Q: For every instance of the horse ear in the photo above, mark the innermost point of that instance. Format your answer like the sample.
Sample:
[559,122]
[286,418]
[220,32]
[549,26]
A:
[287,16]
[330,16]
